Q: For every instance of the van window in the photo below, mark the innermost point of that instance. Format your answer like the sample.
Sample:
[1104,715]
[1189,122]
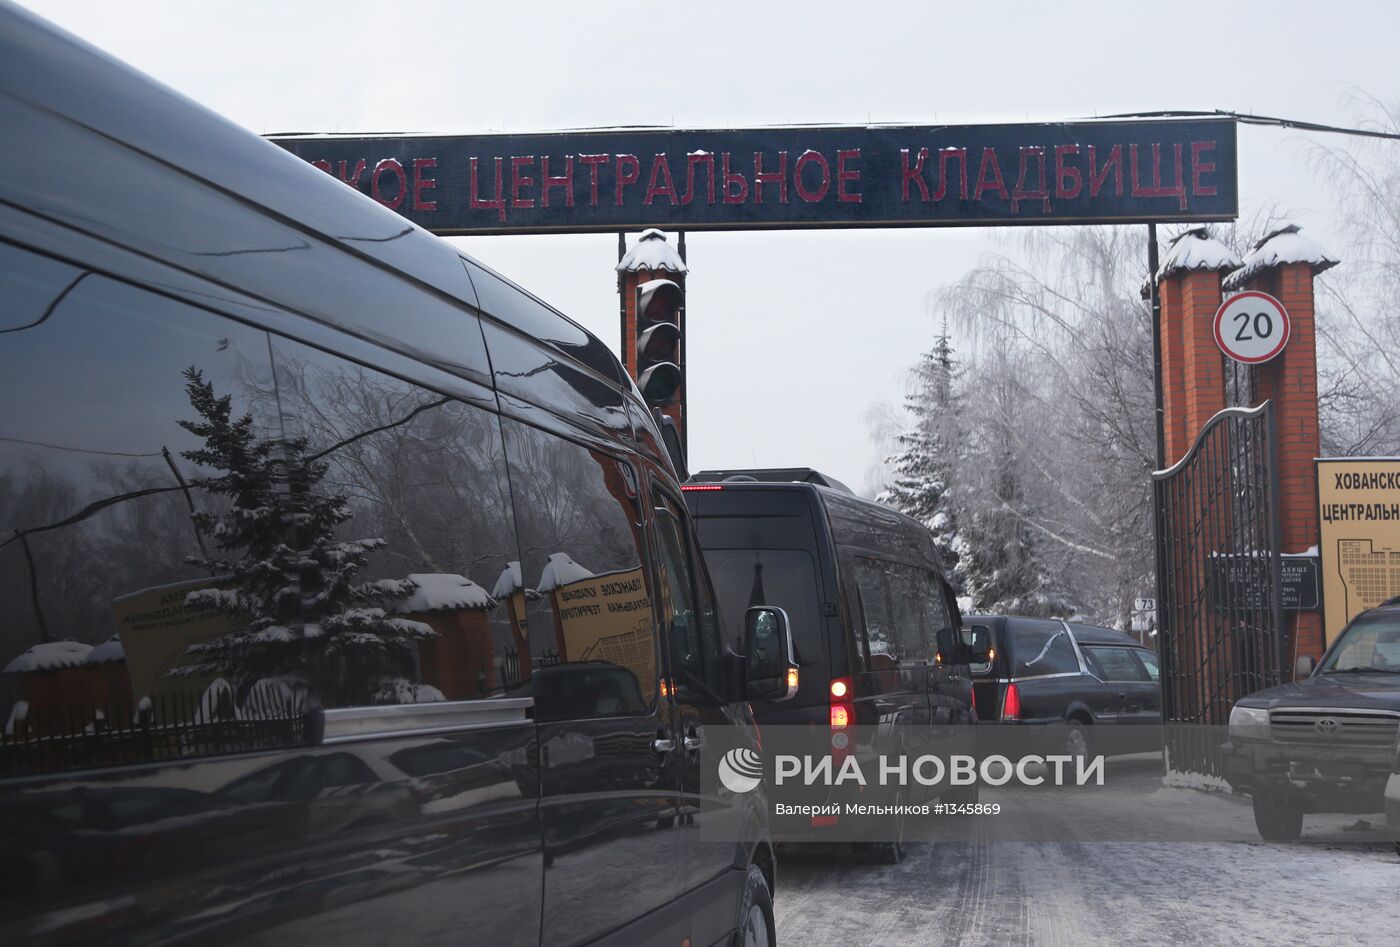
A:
[1042,647]
[592,641]
[786,578]
[416,483]
[106,516]
[898,612]
[520,310]
[934,614]
[979,638]
[693,628]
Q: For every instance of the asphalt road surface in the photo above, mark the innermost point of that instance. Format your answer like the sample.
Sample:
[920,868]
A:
[1339,885]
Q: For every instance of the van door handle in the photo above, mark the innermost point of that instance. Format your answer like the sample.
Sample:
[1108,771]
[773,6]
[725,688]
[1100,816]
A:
[663,744]
[692,741]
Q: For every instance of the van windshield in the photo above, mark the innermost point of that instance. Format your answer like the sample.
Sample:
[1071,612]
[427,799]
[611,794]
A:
[786,578]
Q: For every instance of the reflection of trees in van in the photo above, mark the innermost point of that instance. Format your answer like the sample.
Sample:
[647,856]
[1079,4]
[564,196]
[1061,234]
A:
[276,544]
[426,474]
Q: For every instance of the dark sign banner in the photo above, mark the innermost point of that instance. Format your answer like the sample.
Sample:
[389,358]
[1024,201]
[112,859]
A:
[1238,581]
[969,175]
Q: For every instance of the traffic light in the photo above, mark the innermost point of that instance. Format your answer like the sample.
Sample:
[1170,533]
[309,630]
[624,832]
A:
[659,306]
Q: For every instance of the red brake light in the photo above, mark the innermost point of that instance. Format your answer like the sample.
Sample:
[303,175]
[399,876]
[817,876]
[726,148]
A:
[1011,704]
[973,692]
[695,487]
[842,710]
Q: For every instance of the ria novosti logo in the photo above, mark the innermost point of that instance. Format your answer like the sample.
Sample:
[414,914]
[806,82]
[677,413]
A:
[741,770]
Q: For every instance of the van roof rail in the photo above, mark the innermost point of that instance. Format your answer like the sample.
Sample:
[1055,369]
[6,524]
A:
[772,475]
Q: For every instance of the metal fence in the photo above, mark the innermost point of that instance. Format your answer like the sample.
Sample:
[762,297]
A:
[1221,631]
[170,726]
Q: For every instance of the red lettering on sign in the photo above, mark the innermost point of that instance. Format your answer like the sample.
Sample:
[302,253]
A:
[915,174]
[389,166]
[1064,173]
[518,181]
[691,160]
[823,182]
[992,182]
[660,167]
[1021,192]
[1157,189]
[496,203]
[623,178]
[843,176]
[422,183]
[1199,167]
[944,154]
[324,165]
[778,177]
[352,179]
[594,162]
[1114,164]
[729,178]
[565,180]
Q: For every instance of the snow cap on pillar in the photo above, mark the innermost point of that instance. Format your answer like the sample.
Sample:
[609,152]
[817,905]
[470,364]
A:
[1196,249]
[652,252]
[1193,249]
[1280,248]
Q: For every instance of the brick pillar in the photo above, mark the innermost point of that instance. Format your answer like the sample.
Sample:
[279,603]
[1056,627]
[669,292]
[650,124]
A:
[1193,382]
[1173,381]
[1290,382]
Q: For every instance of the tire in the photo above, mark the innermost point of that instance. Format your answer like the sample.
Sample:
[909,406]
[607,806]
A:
[1077,742]
[756,924]
[892,852]
[1278,816]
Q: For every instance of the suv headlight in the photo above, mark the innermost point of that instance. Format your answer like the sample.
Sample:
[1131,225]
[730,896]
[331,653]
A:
[1249,722]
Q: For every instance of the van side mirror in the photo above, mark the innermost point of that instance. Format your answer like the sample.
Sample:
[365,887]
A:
[768,654]
[1303,667]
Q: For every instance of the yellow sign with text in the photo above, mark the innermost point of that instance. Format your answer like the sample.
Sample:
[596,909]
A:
[1359,510]
[608,618]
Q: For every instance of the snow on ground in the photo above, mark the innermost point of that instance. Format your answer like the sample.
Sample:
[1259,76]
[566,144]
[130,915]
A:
[1337,886]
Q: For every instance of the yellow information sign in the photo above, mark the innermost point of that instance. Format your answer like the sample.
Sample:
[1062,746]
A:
[608,618]
[155,628]
[1359,509]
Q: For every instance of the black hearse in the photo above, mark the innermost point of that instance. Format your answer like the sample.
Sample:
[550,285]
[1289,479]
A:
[1099,688]
[875,625]
[307,520]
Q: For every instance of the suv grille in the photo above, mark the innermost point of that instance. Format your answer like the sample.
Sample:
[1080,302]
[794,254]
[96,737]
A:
[1335,728]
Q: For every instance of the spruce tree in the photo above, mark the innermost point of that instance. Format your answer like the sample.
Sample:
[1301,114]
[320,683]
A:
[930,450]
[290,582]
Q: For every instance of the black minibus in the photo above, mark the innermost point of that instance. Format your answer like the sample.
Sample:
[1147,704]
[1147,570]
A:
[306,520]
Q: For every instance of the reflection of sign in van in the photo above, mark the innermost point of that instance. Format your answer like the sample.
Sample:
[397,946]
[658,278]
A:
[608,618]
[155,628]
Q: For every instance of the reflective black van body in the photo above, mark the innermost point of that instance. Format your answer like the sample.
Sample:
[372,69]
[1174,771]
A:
[303,516]
[862,584]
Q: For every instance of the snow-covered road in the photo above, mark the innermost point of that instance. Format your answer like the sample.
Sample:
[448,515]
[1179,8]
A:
[1337,887]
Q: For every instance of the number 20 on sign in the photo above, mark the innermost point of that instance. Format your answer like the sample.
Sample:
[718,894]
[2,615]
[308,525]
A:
[1251,327]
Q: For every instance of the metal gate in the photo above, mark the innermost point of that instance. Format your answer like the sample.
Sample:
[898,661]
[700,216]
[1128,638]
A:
[1221,632]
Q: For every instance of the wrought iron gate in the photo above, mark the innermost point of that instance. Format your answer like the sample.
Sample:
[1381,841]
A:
[1221,631]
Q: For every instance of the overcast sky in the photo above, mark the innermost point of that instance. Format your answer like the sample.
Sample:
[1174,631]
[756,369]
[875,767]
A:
[792,336]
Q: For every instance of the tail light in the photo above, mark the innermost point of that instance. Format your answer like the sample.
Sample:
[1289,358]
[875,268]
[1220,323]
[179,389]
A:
[842,710]
[1011,703]
[973,694]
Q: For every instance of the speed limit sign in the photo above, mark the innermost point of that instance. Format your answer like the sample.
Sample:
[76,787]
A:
[1251,327]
